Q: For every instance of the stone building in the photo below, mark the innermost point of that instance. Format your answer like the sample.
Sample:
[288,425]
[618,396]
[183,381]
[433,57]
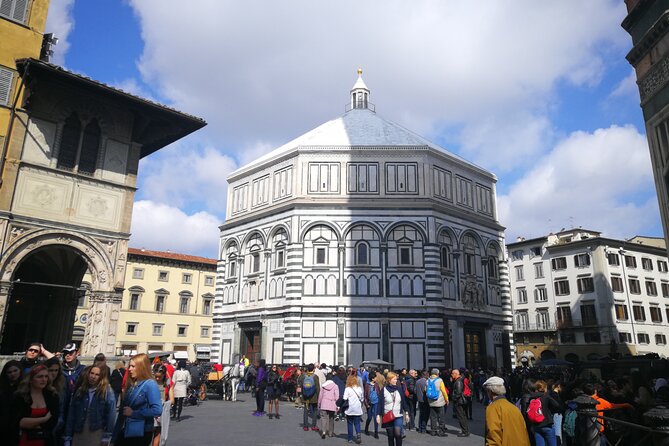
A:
[360,240]
[69,175]
[167,305]
[578,296]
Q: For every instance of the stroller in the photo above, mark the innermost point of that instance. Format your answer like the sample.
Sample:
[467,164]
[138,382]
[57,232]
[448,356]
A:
[192,398]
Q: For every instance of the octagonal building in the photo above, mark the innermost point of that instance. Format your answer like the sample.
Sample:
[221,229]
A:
[361,240]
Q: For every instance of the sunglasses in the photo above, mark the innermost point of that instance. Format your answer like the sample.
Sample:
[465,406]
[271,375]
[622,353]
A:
[33,350]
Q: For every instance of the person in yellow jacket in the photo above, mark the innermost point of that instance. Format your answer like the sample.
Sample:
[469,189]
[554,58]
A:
[504,424]
[437,406]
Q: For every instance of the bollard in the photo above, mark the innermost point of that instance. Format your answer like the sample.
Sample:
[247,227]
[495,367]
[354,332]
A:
[658,419]
[587,428]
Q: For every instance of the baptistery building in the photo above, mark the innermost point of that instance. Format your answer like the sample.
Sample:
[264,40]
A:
[360,240]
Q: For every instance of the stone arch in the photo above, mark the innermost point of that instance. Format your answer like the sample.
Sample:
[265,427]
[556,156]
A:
[87,110]
[312,225]
[249,236]
[451,233]
[277,228]
[415,226]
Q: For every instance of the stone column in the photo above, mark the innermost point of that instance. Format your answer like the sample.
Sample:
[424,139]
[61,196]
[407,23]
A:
[658,419]
[5,293]
[587,428]
[103,314]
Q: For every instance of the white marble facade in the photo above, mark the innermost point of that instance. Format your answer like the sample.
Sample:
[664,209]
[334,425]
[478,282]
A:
[361,240]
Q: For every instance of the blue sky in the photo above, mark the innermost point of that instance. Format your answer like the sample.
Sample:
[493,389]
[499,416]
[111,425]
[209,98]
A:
[537,93]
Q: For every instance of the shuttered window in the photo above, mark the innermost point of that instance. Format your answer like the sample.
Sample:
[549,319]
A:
[6,78]
[14,9]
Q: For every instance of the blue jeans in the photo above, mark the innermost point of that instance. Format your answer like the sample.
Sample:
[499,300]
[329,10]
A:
[371,415]
[351,421]
[544,436]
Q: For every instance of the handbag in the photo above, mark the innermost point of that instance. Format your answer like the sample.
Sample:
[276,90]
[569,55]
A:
[389,416]
[342,404]
[134,427]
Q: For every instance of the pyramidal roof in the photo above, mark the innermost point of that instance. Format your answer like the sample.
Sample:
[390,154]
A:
[358,128]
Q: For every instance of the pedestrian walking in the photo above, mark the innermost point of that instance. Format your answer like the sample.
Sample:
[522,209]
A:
[327,404]
[309,387]
[354,395]
[458,400]
[260,386]
[373,393]
[392,411]
[437,398]
[181,379]
[504,424]
[423,403]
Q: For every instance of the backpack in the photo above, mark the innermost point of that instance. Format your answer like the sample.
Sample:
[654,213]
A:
[432,393]
[308,386]
[468,390]
[534,411]
[569,423]
[373,396]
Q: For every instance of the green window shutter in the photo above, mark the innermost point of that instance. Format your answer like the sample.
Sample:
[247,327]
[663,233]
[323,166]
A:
[6,77]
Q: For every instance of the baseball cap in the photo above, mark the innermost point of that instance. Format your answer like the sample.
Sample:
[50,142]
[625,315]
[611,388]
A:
[69,348]
[493,381]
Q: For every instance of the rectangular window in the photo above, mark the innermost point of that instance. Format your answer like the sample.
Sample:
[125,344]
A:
[232,269]
[260,191]
[183,305]
[630,261]
[134,301]
[613,258]
[206,307]
[186,278]
[157,330]
[666,313]
[138,273]
[538,270]
[581,260]
[624,338]
[255,262]
[324,178]
[643,338]
[463,191]
[517,254]
[442,185]
[646,263]
[204,332]
[321,256]
[559,263]
[592,337]
[660,339]
[405,255]
[14,10]
[617,284]
[543,320]
[621,312]
[536,251]
[402,178]
[635,286]
[520,273]
[665,289]
[639,313]
[363,178]
[522,295]
[662,266]
[588,315]
[163,276]
[208,280]
[567,338]
[160,304]
[541,294]
[564,316]
[561,287]
[585,285]
[651,288]
[655,314]
[283,183]
[182,330]
[131,328]
[280,259]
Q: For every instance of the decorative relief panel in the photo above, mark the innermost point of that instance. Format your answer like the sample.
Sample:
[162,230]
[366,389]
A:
[42,196]
[39,141]
[116,161]
[97,207]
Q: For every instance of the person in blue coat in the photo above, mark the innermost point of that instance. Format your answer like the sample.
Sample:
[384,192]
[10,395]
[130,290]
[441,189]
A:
[92,412]
[140,404]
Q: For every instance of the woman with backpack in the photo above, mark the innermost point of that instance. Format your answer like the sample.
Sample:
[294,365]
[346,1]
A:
[538,407]
[372,395]
[273,391]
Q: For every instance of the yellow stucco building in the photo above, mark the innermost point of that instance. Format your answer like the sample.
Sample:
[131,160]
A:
[167,304]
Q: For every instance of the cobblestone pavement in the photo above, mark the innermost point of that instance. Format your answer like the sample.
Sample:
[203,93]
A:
[224,422]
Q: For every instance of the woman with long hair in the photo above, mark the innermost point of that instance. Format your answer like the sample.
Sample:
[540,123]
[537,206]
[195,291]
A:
[273,390]
[392,401]
[373,392]
[35,409]
[355,397]
[162,423]
[57,380]
[140,404]
[180,382]
[92,411]
[10,377]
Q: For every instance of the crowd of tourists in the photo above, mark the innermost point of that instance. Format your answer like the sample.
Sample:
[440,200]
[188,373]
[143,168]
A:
[49,399]
[528,406]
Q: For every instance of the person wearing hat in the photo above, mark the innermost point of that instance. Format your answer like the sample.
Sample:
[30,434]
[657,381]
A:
[72,368]
[504,424]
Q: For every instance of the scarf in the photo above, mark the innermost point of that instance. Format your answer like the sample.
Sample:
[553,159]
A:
[391,388]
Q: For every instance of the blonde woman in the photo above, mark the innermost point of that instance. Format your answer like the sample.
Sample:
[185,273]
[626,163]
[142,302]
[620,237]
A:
[355,397]
[140,404]
[92,411]
[392,410]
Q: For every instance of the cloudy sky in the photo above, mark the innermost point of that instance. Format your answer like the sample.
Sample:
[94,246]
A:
[539,93]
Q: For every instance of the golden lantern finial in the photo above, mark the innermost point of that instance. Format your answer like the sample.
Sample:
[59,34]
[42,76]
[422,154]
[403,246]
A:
[359,71]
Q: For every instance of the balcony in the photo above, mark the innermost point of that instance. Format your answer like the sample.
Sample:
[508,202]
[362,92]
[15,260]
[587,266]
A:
[533,327]
[565,325]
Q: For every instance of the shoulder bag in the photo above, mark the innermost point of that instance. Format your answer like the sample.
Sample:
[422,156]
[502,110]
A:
[134,427]
[389,416]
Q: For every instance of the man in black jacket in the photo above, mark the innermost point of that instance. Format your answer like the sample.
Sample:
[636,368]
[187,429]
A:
[410,383]
[458,400]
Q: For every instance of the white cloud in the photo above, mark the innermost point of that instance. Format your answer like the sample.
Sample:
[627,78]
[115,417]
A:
[60,22]
[627,87]
[163,227]
[600,180]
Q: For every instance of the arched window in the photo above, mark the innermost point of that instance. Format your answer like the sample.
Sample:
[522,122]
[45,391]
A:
[471,254]
[88,159]
[69,142]
[254,248]
[279,242]
[362,254]
[493,262]
[231,253]
[405,246]
[446,250]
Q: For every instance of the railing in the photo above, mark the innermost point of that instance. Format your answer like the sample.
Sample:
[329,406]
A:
[361,104]
[533,327]
[561,325]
